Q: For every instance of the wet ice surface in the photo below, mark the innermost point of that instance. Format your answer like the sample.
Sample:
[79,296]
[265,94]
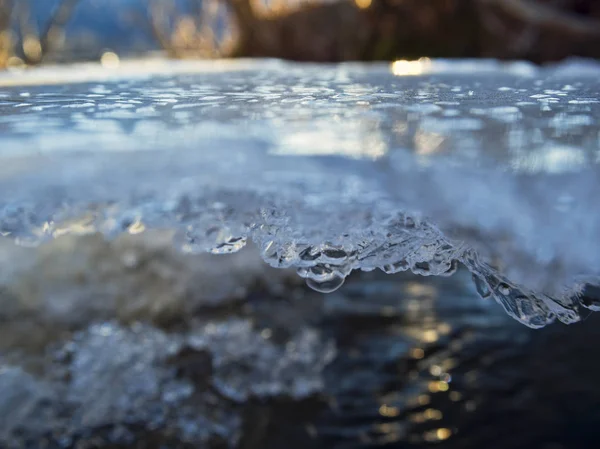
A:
[327,169]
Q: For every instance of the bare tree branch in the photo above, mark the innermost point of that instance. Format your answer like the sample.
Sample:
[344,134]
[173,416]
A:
[186,33]
[541,15]
[6,7]
[159,26]
[6,44]
[535,30]
[36,45]
[59,19]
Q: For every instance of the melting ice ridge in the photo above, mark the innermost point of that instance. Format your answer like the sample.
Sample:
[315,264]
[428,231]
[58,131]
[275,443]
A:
[327,170]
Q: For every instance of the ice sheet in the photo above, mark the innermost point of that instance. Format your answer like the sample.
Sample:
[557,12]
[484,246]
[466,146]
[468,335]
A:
[327,168]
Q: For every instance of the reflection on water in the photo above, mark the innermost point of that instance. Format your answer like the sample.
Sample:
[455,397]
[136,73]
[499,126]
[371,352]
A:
[430,362]
[407,68]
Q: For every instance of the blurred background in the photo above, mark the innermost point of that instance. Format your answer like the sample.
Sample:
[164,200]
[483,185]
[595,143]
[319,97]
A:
[34,31]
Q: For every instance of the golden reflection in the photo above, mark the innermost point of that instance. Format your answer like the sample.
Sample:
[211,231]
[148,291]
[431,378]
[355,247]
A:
[32,48]
[413,305]
[278,8]
[6,47]
[417,353]
[443,433]
[430,336]
[433,414]
[411,68]
[437,434]
[363,4]
[421,289]
[436,370]
[387,427]
[110,60]
[393,431]
[15,61]
[437,386]
[428,143]
[424,399]
[390,412]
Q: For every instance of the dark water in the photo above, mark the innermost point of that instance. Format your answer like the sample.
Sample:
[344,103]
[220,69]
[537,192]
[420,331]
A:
[425,362]
[420,362]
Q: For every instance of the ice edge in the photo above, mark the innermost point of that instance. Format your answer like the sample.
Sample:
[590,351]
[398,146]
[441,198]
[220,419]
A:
[409,244]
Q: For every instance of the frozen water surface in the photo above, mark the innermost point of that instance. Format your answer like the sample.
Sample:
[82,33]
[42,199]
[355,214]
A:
[328,169]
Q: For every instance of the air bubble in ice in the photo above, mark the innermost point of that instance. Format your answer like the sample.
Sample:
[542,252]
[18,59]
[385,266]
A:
[392,268]
[327,286]
[309,254]
[451,269]
[231,245]
[422,268]
[334,255]
[504,288]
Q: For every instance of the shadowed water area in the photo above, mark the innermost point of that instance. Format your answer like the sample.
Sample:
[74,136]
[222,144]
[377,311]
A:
[109,345]
[431,201]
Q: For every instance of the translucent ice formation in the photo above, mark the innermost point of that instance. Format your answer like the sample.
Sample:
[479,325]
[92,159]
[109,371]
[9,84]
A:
[327,169]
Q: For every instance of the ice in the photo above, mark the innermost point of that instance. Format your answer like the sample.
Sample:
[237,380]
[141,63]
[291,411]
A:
[248,365]
[109,381]
[75,280]
[135,382]
[328,169]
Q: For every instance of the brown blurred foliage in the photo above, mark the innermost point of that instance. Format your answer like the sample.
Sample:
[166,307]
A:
[337,30]
[6,44]
[21,42]
[541,30]
[313,30]
[537,30]
[306,31]
[190,35]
